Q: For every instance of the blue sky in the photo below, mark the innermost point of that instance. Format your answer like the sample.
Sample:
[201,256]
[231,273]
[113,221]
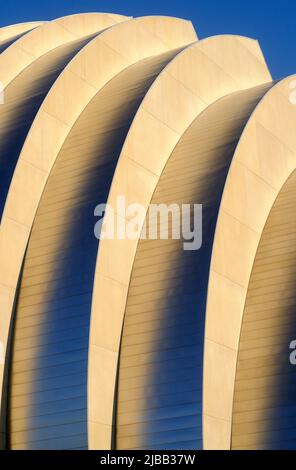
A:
[273,23]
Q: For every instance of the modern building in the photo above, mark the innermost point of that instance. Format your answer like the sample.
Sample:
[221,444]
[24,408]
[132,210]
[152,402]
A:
[136,343]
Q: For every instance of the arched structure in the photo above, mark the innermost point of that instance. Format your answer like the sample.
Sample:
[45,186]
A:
[138,343]
[201,74]
[264,406]
[26,82]
[117,51]
[262,164]
[47,37]
[159,400]
[9,34]
[29,66]
[59,292]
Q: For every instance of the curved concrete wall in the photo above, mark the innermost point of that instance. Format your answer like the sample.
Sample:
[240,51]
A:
[161,356]
[256,175]
[190,79]
[48,394]
[48,36]
[138,344]
[9,34]
[26,82]
[28,69]
[264,405]
[22,100]
[154,37]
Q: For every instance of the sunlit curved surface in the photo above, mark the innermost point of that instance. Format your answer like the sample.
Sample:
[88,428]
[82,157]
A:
[49,47]
[22,100]
[264,394]
[9,34]
[47,37]
[138,344]
[154,39]
[263,161]
[28,69]
[197,77]
[159,403]
[48,406]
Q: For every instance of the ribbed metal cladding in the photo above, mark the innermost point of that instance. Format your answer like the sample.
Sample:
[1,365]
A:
[22,99]
[159,402]
[48,391]
[264,412]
